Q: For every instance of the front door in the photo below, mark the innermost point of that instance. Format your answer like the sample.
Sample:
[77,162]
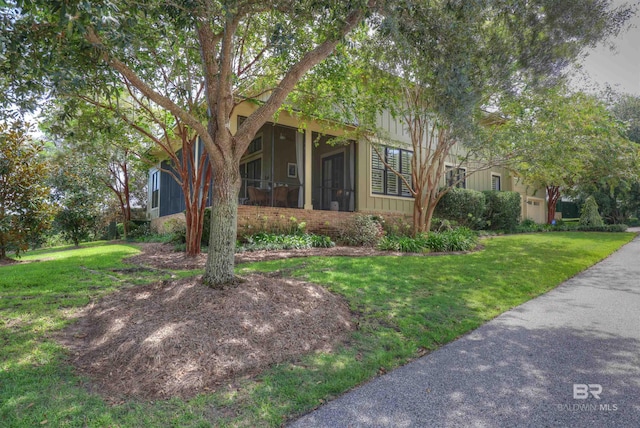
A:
[333,182]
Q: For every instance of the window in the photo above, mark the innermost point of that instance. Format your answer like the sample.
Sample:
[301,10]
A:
[155,189]
[383,180]
[456,177]
[255,146]
[495,182]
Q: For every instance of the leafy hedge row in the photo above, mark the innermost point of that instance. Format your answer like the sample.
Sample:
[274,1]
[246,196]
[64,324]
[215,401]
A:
[494,210]
[529,226]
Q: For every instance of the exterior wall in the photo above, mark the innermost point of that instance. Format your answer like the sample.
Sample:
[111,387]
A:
[251,218]
[533,201]
[158,223]
[280,149]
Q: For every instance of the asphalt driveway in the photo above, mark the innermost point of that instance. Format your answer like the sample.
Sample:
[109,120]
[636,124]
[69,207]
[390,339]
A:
[568,358]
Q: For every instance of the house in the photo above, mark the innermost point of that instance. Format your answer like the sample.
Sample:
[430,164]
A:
[307,175]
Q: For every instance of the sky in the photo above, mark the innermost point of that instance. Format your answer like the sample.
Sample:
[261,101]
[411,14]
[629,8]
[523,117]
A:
[620,68]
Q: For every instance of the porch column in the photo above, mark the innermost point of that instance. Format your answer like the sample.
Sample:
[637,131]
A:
[308,157]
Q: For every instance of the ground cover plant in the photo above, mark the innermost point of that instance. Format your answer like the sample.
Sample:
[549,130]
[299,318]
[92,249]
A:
[403,307]
[459,239]
[275,241]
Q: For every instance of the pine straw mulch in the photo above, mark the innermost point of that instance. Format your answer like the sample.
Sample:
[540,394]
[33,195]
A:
[163,256]
[180,338]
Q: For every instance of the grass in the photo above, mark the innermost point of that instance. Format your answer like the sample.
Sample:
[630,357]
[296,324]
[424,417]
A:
[406,306]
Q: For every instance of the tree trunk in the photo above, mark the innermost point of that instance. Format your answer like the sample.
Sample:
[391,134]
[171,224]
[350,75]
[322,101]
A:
[224,225]
[553,193]
[194,232]
[419,216]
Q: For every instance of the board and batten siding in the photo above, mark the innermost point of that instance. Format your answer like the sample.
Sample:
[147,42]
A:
[370,202]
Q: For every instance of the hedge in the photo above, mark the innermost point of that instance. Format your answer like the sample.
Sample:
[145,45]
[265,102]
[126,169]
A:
[464,206]
[502,210]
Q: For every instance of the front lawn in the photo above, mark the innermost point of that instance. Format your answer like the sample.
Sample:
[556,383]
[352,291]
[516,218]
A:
[405,307]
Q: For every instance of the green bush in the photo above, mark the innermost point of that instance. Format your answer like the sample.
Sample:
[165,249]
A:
[139,229]
[460,239]
[361,230]
[177,229]
[273,241]
[502,211]
[399,226]
[590,215]
[321,241]
[405,244]
[440,224]
[464,206]
[601,228]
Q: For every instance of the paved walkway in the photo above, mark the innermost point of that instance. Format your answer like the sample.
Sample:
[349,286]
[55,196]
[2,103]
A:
[530,366]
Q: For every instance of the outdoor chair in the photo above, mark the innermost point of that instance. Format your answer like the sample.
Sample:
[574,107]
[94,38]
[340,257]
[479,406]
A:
[257,196]
[280,194]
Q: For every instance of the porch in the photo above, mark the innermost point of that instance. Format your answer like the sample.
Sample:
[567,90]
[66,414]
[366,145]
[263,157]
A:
[289,169]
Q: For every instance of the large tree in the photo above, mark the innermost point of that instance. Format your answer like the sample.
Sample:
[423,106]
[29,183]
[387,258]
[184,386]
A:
[24,212]
[232,51]
[619,200]
[438,66]
[568,140]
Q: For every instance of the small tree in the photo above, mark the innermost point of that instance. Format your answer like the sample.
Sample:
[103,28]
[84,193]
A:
[590,215]
[78,196]
[24,212]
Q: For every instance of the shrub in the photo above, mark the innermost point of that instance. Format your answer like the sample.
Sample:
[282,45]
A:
[601,228]
[590,215]
[321,241]
[439,224]
[360,230]
[139,229]
[396,226]
[502,211]
[277,224]
[177,229]
[273,241]
[464,206]
[405,244]
[461,239]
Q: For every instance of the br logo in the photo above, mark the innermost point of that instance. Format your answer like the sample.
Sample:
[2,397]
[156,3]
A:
[581,391]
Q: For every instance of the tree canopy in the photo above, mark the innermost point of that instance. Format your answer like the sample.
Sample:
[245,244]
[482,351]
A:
[24,212]
[198,60]
[566,140]
[173,54]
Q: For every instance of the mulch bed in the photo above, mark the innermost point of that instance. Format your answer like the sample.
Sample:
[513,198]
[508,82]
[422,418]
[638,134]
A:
[179,338]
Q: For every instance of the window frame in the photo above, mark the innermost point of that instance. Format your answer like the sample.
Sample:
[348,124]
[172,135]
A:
[381,168]
[449,180]
[154,188]
[499,177]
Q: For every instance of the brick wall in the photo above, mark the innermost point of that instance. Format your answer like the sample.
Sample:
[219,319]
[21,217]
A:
[256,218]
